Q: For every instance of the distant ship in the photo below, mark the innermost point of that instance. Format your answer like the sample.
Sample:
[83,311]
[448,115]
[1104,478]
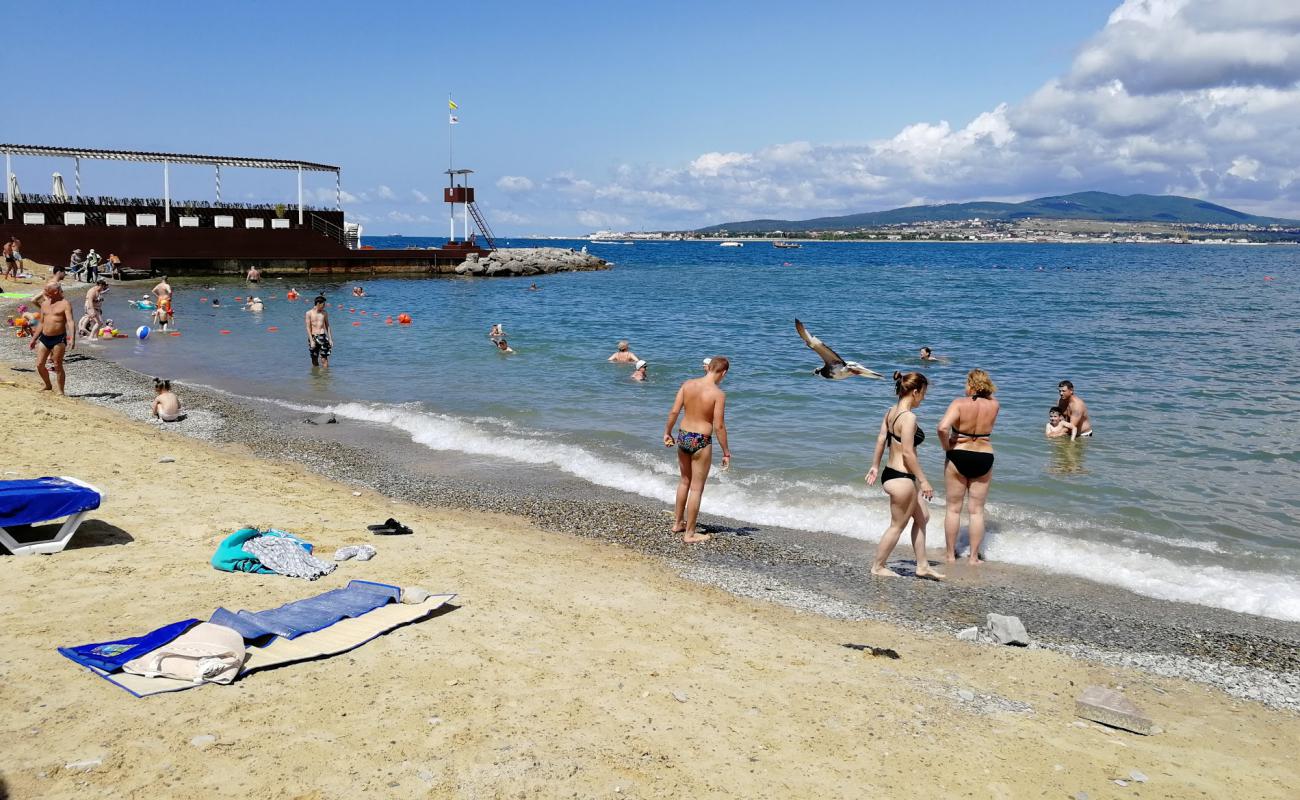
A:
[732,244]
[787,245]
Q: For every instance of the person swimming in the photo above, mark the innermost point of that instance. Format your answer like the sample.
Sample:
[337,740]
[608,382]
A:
[639,372]
[504,346]
[964,434]
[497,332]
[623,355]
[902,478]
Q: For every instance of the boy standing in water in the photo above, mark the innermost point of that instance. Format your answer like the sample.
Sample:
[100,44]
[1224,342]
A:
[705,406]
[320,338]
[1058,425]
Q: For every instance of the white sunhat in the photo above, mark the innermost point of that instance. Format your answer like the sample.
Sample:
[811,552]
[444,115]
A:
[640,364]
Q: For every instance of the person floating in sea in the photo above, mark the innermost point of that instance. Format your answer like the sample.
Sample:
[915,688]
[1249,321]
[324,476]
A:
[216,302]
[357,291]
[166,405]
[638,374]
[504,346]
[254,275]
[1074,409]
[928,355]
[704,405]
[964,434]
[1058,425]
[902,478]
[497,332]
[623,355]
[253,304]
[57,334]
[533,287]
[320,338]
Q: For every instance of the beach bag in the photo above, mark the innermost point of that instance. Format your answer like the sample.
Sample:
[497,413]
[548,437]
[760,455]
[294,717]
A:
[205,653]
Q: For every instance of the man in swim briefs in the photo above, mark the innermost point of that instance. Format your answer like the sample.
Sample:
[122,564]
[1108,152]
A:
[1074,409]
[254,275]
[57,333]
[623,355]
[320,338]
[704,404]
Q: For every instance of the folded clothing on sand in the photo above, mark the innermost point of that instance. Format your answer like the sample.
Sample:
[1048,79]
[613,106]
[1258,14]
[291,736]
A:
[272,552]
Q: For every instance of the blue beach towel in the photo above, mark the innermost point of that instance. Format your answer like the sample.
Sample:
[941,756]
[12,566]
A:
[28,502]
[110,656]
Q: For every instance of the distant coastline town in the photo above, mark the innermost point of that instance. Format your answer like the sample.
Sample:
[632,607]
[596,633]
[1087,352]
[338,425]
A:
[1062,231]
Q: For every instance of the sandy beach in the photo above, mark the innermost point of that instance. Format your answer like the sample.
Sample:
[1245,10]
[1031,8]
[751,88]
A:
[567,668]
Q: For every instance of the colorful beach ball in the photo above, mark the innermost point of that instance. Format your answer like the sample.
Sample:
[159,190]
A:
[142,332]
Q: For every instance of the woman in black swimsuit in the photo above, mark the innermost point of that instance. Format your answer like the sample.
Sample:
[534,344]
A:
[964,433]
[902,478]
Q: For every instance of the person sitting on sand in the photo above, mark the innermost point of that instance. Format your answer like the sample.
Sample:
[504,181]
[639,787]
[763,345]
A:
[704,404]
[504,346]
[357,291]
[57,334]
[902,479]
[1058,425]
[638,374]
[964,434]
[166,405]
[497,332]
[623,355]
[1074,409]
[253,304]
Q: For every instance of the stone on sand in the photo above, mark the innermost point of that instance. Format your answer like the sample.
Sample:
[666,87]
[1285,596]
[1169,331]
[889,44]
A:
[1109,707]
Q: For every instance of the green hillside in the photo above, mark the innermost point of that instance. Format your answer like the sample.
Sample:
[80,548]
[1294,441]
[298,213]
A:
[1082,205]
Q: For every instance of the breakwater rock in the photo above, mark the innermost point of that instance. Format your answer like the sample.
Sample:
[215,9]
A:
[530,261]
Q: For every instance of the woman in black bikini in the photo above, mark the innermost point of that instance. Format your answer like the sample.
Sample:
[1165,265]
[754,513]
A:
[964,433]
[902,478]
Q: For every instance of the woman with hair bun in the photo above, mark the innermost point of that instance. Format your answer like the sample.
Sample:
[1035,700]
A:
[902,478]
[964,434]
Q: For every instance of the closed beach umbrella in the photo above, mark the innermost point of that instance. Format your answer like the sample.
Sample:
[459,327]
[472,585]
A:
[60,193]
[13,187]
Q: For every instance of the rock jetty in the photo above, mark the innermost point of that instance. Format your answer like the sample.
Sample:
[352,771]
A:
[530,261]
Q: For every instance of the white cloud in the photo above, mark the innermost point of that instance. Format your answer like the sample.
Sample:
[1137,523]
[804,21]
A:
[420,197]
[596,220]
[514,183]
[384,193]
[712,164]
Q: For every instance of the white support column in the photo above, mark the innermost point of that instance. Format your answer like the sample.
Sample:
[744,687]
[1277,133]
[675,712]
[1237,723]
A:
[338,190]
[9,195]
[465,213]
[217,167]
[167,193]
[299,196]
[76,171]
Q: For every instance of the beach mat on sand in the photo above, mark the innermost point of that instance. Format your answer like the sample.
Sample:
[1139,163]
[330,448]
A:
[325,625]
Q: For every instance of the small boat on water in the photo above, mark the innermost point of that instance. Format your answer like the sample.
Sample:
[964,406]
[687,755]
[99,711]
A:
[787,245]
[732,244]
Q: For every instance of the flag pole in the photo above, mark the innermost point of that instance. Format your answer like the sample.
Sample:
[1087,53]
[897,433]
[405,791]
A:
[451,235]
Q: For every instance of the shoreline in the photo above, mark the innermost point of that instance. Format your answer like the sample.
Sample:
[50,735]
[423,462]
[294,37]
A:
[1243,655]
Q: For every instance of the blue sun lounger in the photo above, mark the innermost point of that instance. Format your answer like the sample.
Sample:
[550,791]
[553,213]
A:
[41,500]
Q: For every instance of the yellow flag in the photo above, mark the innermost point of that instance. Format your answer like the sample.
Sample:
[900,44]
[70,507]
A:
[451,104]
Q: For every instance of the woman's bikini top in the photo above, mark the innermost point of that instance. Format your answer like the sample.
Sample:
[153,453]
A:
[956,432]
[917,440]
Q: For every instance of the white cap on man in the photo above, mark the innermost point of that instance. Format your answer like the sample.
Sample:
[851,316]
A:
[640,364]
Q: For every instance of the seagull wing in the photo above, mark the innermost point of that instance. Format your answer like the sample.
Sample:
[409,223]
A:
[818,346]
[858,369]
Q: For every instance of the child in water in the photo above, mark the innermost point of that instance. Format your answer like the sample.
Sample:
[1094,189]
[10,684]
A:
[166,405]
[1057,425]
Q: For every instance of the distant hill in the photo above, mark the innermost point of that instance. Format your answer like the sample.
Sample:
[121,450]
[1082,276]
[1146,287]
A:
[1083,205]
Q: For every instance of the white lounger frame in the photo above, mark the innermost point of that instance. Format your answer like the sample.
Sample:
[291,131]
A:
[60,539]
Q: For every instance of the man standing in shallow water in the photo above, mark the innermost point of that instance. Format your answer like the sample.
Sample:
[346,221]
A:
[320,338]
[1074,409]
[705,406]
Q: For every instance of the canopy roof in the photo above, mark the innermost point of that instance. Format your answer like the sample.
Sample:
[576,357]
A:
[159,158]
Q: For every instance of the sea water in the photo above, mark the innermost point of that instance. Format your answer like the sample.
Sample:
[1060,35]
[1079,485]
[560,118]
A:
[1186,355]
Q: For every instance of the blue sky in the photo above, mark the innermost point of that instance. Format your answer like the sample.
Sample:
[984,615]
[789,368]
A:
[581,115]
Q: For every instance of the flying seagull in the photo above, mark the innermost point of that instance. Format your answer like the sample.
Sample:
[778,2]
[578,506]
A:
[835,368]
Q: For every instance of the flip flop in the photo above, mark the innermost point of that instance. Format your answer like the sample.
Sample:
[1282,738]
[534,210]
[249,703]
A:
[390,527]
[386,524]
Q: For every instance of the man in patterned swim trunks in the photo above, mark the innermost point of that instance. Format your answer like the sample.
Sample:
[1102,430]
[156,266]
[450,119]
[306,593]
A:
[705,406]
[320,338]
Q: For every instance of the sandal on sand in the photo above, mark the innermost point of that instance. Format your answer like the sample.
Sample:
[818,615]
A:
[389,527]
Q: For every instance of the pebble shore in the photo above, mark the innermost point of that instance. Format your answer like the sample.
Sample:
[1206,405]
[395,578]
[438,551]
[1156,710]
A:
[1251,658]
